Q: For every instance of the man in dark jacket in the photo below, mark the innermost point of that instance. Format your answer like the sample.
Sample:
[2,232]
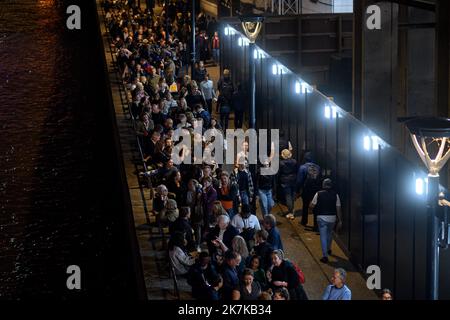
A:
[225,85]
[243,178]
[238,106]
[308,183]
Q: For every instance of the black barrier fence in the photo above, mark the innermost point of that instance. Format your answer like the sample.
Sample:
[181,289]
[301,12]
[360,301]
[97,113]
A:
[384,209]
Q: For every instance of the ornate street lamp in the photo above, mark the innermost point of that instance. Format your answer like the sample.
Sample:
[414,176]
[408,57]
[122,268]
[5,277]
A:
[252,25]
[430,135]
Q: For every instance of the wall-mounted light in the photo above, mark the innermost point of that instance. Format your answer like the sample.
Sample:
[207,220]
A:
[302,87]
[420,186]
[330,112]
[375,142]
[258,54]
[277,69]
[372,143]
[243,41]
[366,143]
[229,31]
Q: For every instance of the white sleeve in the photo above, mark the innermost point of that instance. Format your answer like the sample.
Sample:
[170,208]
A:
[338,201]
[314,200]
[257,225]
[236,223]
[185,259]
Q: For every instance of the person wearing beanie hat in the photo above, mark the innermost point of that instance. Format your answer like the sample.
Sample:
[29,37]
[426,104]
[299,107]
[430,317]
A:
[327,207]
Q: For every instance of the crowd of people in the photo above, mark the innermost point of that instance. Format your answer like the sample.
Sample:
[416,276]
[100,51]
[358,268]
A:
[217,242]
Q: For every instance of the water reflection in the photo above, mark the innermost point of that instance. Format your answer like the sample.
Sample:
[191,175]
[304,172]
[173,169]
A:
[56,206]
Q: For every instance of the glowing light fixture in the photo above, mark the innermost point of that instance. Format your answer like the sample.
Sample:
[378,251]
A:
[372,143]
[330,112]
[277,69]
[258,54]
[302,87]
[244,41]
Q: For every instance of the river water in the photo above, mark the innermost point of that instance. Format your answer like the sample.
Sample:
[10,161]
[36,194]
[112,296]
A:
[60,194]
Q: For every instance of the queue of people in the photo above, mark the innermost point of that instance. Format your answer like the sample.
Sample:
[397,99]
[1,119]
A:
[216,240]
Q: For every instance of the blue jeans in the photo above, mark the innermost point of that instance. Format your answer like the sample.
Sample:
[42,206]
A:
[325,229]
[244,197]
[289,193]
[216,55]
[266,201]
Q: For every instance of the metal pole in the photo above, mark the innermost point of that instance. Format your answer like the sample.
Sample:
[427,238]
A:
[193,39]
[166,6]
[252,73]
[432,239]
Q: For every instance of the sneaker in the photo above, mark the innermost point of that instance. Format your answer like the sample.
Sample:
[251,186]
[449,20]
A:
[289,216]
[324,260]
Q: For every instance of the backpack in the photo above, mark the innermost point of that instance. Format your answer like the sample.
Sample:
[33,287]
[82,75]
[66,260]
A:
[227,90]
[313,176]
[301,275]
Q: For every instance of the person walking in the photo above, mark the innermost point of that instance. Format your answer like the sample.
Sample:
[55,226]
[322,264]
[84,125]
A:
[224,109]
[287,177]
[243,178]
[215,45]
[238,106]
[265,186]
[327,207]
[308,183]
[207,88]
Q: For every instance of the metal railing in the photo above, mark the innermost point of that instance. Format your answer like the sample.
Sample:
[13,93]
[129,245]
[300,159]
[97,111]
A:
[126,107]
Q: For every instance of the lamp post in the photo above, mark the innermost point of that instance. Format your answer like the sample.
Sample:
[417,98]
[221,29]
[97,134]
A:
[431,134]
[193,39]
[252,26]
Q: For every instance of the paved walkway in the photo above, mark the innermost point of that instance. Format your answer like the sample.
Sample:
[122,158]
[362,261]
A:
[301,246]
